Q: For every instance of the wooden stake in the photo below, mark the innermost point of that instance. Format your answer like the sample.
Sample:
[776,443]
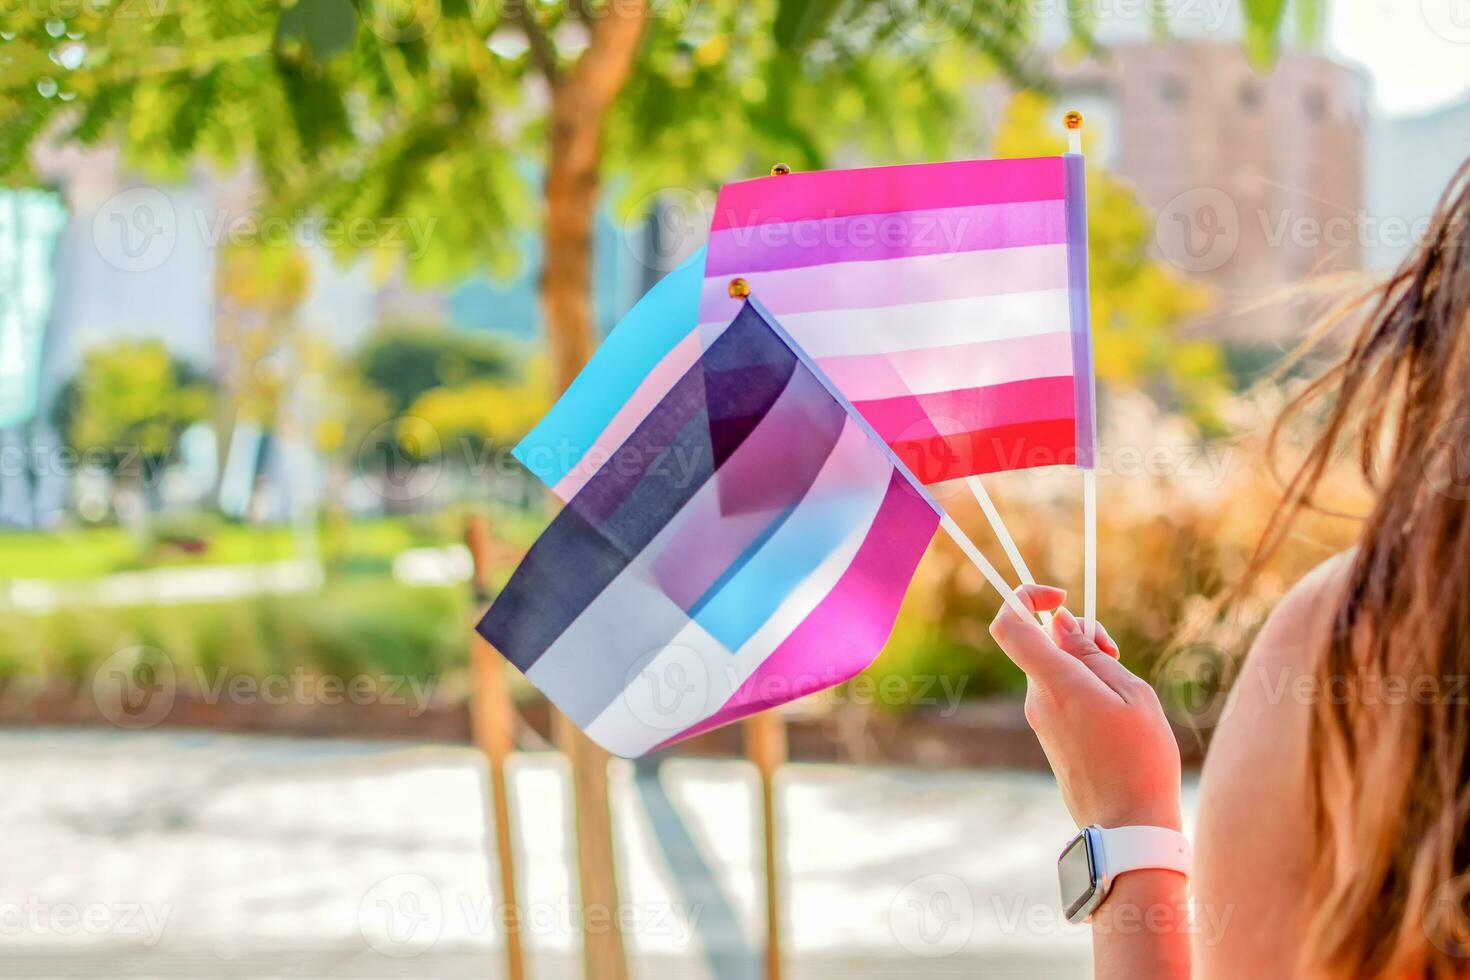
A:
[490,718]
[765,745]
[603,955]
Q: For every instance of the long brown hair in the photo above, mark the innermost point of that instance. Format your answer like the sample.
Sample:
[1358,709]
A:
[1389,753]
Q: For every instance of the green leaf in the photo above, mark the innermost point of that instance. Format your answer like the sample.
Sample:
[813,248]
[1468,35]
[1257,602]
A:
[1263,30]
[798,22]
[1158,15]
[99,113]
[437,126]
[1082,21]
[1310,18]
[325,27]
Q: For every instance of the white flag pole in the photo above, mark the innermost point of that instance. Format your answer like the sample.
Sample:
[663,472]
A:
[1073,122]
[1089,551]
[959,537]
[982,497]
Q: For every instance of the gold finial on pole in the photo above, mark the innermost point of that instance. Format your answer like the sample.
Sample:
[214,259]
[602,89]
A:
[780,170]
[1073,121]
[739,288]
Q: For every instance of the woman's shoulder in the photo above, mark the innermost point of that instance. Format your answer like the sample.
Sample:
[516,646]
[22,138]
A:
[1268,713]
[1296,632]
[1252,835]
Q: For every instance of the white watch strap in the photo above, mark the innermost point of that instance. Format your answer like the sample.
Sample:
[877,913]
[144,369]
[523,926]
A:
[1137,848]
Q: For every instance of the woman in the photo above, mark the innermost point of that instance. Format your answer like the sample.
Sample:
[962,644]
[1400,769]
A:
[1334,810]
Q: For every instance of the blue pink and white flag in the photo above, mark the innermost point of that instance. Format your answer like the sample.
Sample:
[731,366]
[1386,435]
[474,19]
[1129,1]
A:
[746,541]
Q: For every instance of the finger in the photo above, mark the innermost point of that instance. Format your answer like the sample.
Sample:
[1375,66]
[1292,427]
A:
[1025,643]
[1041,598]
[1062,624]
[1126,684]
[1065,624]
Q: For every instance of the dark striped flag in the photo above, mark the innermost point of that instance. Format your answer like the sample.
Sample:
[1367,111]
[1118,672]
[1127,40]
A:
[746,541]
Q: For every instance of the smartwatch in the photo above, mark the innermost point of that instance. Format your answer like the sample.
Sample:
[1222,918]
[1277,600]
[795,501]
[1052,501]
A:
[1097,856]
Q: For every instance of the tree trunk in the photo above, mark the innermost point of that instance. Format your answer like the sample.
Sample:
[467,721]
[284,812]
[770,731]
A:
[579,105]
[580,102]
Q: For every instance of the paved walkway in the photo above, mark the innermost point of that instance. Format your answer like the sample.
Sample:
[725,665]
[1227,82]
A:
[174,855]
[180,585]
[161,586]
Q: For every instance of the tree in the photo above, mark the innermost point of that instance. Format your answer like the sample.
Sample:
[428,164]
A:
[258,289]
[127,407]
[404,361]
[484,413]
[444,393]
[430,109]
[377,114]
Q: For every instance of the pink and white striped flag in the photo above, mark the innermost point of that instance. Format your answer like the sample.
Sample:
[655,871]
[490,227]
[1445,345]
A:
[948,301]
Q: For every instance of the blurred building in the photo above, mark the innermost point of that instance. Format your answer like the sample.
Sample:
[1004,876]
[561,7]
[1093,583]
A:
[1410,161]
[1257,180]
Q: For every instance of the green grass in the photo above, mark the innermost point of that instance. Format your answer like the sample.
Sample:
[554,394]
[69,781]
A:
[351,627]
[83,553]
[74,554]
[65,554]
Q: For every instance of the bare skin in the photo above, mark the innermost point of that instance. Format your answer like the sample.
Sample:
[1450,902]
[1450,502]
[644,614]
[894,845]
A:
[1116,760]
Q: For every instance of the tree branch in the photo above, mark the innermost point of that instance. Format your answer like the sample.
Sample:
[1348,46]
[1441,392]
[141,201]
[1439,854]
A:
[603,69]
[543,51]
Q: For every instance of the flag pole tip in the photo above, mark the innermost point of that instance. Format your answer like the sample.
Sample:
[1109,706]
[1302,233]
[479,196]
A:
[1073,119]
[780,170]
[739,288]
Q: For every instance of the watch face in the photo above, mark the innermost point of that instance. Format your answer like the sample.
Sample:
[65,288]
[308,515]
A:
[1075,869]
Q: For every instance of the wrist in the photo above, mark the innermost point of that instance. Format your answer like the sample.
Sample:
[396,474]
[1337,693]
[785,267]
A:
[1144,928]
[1164,893]
[1166,815]
[1099,856]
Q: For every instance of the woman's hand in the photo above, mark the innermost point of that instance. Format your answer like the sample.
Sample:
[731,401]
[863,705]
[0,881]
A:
[1101,726]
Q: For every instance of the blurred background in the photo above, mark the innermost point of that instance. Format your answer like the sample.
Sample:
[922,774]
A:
[280,286]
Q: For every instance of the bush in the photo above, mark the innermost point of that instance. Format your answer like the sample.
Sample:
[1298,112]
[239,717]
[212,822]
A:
[352,628]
